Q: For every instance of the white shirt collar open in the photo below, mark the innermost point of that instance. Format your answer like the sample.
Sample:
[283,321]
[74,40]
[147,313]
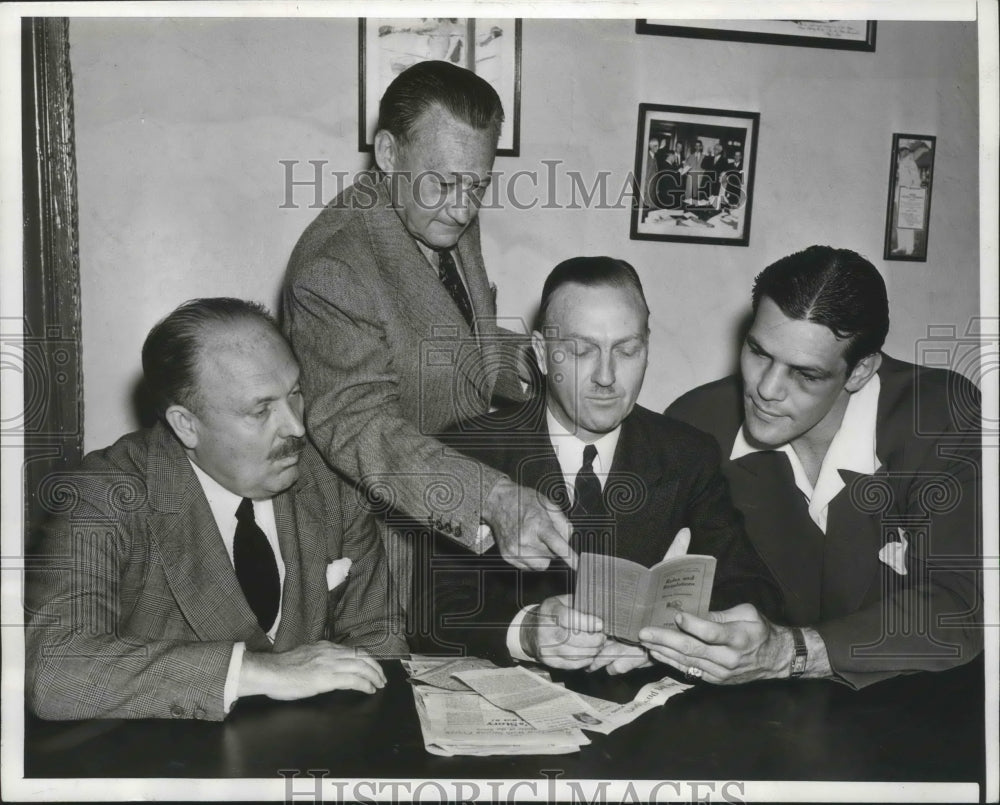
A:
[853,449]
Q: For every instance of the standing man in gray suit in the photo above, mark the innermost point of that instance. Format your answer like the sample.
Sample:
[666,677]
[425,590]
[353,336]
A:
[393,319]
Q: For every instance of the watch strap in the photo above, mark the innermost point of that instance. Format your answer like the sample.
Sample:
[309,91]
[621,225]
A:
[800,653]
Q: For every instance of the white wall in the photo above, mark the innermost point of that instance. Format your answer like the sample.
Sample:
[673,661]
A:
[180,126]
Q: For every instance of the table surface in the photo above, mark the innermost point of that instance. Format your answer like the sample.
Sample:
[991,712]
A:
[926,727]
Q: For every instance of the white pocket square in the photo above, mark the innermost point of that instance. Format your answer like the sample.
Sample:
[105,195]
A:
[894,554]
[336,572]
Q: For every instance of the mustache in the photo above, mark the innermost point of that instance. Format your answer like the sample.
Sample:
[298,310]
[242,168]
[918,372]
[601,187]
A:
[292,447]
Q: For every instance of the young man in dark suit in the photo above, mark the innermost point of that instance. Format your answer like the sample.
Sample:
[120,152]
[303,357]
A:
[629,479]
[213,556]
[858,477]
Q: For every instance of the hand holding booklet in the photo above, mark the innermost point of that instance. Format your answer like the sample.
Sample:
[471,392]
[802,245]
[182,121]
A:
[629,597]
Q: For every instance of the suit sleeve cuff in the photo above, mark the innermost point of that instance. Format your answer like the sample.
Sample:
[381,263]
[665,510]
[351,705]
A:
[484,539]
[230,693]
[514,635]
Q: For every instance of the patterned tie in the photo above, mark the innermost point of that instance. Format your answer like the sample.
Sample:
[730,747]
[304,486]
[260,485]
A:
[452,281]
[256,568]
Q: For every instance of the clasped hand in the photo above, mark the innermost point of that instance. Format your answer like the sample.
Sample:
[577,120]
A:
[729,647]
[563,637]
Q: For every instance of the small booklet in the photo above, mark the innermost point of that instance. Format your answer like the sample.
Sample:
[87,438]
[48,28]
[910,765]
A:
[628,596]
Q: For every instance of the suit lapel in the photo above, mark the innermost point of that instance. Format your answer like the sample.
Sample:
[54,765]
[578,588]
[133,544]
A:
[854,535]
[470,253]
[850,560]
[195,562]
[292,601]
[404,268]
[636,476]
[297,514]
[534,458]
[785,537]
[484,305]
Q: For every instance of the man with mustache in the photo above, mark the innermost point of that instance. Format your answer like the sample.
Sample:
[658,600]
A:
[213,556]
[858,479]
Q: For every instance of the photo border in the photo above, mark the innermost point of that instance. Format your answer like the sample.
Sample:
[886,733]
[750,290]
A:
[750,169]
[893,186]
[511,116]
[720,32]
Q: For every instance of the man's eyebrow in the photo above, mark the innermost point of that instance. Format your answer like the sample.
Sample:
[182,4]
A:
[819,371]
[270,398]
[587,339]
[267,398]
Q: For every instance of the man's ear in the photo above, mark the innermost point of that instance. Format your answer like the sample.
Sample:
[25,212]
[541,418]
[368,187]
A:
[386,149]
[184,424]
[864,370]
[538,345]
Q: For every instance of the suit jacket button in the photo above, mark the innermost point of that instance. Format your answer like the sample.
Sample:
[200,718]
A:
[199,712]
[176,711]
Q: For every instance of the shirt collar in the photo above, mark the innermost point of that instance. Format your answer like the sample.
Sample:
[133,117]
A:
[221,501]
[433,255]
[854,446]
[854,440]
[223,504]
[569,448]
[853,449]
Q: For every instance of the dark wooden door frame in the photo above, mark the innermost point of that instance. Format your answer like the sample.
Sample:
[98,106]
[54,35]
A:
[52,424]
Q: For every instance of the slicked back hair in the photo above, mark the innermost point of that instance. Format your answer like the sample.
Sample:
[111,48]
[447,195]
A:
[429,84]
[590,271]
[172,350]
[837,288]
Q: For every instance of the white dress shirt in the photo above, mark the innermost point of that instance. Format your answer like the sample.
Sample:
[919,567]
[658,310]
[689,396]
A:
[223,504]
[569,452]
[568,448]
[852,448]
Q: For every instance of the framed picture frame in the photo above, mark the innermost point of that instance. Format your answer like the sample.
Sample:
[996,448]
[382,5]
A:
[838,34]
[694,170]
[489,47]
[908,210]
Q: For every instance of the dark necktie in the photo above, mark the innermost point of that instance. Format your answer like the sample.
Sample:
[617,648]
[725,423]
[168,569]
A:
[256,569]
[588,516]
[452,281]
[588,501]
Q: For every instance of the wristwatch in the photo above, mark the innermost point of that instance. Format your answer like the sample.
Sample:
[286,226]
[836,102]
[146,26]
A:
[800,655]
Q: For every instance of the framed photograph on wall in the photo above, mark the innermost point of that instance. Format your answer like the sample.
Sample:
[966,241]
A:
[489,47]
[694,169]
[908,213]
[838,34]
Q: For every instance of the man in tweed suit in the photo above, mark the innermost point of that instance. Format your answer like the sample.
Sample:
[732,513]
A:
[213,556]
[389,310]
